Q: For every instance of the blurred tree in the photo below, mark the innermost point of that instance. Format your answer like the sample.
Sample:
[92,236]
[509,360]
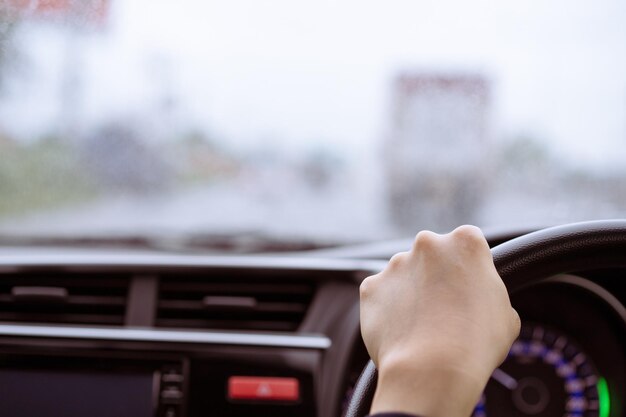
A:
[40,175]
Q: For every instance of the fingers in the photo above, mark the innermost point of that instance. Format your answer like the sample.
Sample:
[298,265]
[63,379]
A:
[516,324]
[470,233]
[467,236]
[425,241]
[510,331]
[367,287]
[399,260]
[453,248]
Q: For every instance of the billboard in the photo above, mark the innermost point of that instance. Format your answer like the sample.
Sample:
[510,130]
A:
[90,13]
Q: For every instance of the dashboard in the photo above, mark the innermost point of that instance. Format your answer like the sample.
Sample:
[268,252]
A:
[120,334]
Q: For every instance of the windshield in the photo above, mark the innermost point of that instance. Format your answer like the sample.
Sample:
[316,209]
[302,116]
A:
[341,121]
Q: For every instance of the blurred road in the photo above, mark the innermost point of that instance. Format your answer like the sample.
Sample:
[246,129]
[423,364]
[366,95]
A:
[282,210]
[329,214]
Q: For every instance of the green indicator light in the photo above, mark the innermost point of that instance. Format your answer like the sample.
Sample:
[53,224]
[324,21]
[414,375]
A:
[603,396]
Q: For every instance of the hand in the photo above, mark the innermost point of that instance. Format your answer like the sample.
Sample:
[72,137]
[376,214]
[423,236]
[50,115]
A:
[437,322]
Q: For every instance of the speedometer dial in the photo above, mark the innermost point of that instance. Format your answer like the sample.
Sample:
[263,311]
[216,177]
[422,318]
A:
[545,375]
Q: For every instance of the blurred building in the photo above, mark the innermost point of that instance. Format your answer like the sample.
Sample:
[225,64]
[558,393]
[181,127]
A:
[437,151]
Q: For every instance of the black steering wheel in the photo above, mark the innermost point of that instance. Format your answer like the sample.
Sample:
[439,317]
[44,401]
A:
[530,258]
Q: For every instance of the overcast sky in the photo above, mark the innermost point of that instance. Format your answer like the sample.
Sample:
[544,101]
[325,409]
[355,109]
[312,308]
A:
[307,72]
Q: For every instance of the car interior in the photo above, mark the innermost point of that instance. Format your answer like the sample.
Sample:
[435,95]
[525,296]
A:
[163,334]
[191,193]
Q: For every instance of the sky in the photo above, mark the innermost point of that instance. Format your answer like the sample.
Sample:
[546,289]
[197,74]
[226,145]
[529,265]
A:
[319,73]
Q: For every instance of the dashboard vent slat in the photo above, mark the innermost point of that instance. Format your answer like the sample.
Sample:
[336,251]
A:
[63,298]
[229,303]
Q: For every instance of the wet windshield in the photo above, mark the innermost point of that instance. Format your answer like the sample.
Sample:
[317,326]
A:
[326,120]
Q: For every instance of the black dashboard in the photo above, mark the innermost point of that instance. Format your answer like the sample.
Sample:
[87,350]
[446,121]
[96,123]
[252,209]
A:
[114,334]
[192,336]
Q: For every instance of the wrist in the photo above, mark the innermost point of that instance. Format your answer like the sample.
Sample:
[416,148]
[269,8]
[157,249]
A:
[429,385]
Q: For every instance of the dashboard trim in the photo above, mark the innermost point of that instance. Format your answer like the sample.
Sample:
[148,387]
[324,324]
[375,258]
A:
[168,336]
[71,260]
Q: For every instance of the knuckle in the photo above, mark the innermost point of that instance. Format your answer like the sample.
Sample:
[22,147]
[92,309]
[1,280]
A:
[365,289]
[397,260]
[469,234]
[425,240]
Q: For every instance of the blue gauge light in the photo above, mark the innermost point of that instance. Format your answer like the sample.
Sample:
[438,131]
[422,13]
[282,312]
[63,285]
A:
[545,374]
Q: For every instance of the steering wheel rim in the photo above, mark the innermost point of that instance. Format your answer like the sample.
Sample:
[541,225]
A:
[528,259]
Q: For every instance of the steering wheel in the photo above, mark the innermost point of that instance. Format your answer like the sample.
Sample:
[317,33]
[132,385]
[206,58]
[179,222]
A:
[531,258]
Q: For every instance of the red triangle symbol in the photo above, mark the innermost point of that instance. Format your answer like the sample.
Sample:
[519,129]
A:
[264,390]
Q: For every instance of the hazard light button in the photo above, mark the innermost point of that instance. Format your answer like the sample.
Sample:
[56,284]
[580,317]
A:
[254,388]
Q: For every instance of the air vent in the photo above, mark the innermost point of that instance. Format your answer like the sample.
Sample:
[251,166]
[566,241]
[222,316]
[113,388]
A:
[232,303]
[63,298]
